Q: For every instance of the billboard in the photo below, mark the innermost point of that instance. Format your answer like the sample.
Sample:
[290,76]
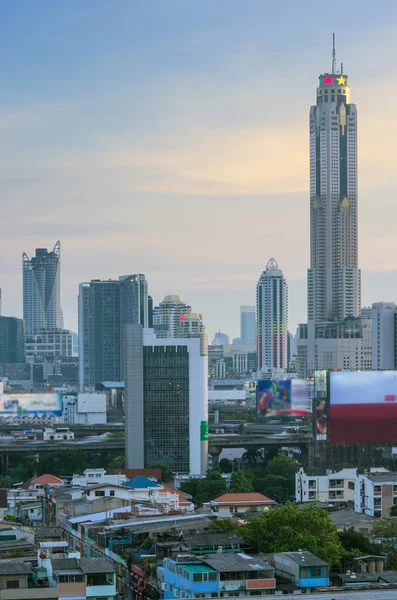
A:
[290,397]
[30,405]
[320,405]
[363,407]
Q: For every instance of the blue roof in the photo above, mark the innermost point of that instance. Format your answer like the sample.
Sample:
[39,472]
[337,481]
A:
[141,482]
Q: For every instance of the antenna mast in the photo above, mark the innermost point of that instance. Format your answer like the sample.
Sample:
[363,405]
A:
[333,55]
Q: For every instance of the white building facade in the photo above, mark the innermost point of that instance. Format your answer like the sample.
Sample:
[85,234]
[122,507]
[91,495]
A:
[375,494]
[330,488]
[174,318]
[84,408]
[334,288]
[272,320]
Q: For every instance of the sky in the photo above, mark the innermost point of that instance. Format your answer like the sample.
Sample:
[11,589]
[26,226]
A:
[170,137]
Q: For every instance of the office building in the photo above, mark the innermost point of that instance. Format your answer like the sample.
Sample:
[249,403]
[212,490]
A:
[272,320]
[105,306]
[169,315]
[42,290]
[12,340]
[247,325]
[0,302]
[383,335]
[220,339]
[345,345]
[333,277]
[48,345]
[166,400]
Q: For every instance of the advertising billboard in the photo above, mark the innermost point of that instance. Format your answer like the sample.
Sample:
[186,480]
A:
[363,407]
[290,397]
[30,405]
[320,405]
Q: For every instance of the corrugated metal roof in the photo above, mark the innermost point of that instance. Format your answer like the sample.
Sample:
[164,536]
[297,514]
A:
[13,566]
[95,565]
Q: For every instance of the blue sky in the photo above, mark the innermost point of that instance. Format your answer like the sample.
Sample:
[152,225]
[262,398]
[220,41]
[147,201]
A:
[170,137]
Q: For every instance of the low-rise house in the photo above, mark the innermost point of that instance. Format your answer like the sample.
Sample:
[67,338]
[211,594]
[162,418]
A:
[303,569]
[347,519]
[217,575]
[333,487]
[58,434]
[14,574]
[43,482]
[230,504]
[97,477]
[375,494]
[84,578]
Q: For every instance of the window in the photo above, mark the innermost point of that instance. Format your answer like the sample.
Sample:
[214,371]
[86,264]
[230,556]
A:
[316,572]
[351,485]
[99,493]
[100,579]
[111,492]
[12,584]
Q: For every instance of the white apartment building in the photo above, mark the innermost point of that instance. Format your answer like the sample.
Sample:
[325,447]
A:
[84,408]
[97,477]
[375,494]
[383,335]
[174,318]
[57,434]
[330,488]
[345,345]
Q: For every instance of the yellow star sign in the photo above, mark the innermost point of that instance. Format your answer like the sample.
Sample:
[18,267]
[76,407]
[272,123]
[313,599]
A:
[341,80]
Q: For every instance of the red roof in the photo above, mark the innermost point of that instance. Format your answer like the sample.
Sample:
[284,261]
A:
[46,479]
[243,499]
[184,499]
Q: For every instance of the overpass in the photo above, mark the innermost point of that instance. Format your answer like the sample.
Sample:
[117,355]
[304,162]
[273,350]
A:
[216,443]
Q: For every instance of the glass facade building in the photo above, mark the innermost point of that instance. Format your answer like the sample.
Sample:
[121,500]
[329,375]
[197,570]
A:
[12,340]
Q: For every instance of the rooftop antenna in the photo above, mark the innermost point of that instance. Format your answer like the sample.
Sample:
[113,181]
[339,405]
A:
[341,68]
[333,54]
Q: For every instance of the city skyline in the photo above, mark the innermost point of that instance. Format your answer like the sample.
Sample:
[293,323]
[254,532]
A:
[111,149]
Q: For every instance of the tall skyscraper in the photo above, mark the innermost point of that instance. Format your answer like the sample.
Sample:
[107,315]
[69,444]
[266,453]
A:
[169,314]
[166,400]
[42,290]
[247,325]
[0,302]
[105,306]
[333,278]
[12,340]
[272,320]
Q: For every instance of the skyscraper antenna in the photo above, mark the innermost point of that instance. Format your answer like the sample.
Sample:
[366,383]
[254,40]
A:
[333,54]
[341,68]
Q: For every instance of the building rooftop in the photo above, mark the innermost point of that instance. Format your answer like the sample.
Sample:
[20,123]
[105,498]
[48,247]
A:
[213,539]
[95,565]
[199,569]
[349,518]
[306,558]
[141,482]
[132,473]
[46,479]
[65,565]
[235,562]
[383,477]
[172,298]
[13,566]
[244,498]
[48,532]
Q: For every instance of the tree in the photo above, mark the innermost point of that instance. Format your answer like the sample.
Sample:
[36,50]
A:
[274,487]
[290,528]
[283,466]
[118,462]
[393,510]
[116,435]
[252,455]
[63,462]
[226,465]
[241,482]
[225,526]
[190,486]
[167,474]
[10,518]
[353,540]
[18,474]
[6,482]
[385,531]
[210,487]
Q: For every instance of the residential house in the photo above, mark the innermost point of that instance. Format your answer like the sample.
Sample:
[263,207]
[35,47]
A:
[349,519]
[333,487]
[303,569]
[14,574]
[43,482]
[230,504]
[376,494]
[85,578]
[216,575]
[97,477]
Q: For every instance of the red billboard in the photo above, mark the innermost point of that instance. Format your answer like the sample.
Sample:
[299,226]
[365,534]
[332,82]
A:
[363,407]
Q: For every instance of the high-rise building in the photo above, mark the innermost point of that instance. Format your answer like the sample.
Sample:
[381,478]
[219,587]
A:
[383,335]
[247,325]
[12,340]
[333,278]
[169,314]
[0,302]
[105,306]
[49,345]
[221,339]
[42,290]
[272,320]
[166,400]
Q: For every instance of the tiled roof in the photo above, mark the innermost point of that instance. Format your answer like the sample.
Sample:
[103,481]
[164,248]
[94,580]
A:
[13,567]
[96,565]
[244,498]
[141,482]
[148,472]
[183,497]
[46,479]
